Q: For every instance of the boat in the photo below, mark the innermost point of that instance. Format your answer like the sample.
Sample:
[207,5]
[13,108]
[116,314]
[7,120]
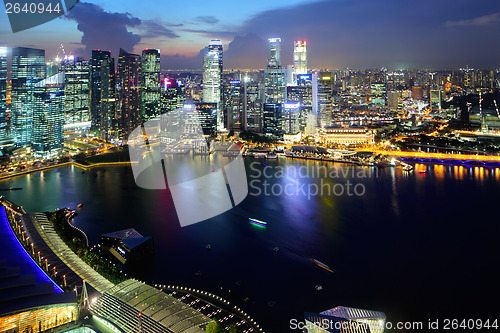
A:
[276,249]
[272,155]
[257,222]
[11,189]
[322,265]
[422,171]
[208,247]
[407,167]
[318,287]
[79,206]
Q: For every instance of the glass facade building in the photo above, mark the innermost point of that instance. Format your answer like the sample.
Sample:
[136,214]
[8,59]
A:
[28,68]
[274,74]
[76,90]
[102,93]
[128,87]
[48,116]
[212,78]
[151,85]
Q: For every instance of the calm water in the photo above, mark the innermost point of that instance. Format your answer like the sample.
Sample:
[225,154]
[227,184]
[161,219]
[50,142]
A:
[415,246]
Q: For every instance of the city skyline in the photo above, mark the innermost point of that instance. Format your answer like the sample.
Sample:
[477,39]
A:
[362,34]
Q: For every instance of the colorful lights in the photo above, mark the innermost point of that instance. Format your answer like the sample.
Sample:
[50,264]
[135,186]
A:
[322,265]
[257,222]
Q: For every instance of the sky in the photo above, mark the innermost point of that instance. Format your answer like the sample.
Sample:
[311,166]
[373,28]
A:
[438,34]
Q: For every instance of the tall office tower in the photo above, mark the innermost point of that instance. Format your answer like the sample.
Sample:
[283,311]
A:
[28,68]
[48,116]
[212,78]
[436,98]
[76,91]
[234,94]
[378,94]
[417,93]
[322,91]
[150,84]
[272,120]
[393,97]
[254,98]
[275,75]
[300,57]
[302,94]
[3,93]
[102,93]
[173,95]
[128,85]
[291,118]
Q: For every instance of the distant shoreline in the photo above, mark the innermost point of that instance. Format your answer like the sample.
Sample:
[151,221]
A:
[71,163]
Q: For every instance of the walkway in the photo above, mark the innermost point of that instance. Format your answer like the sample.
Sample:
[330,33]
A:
[65,254]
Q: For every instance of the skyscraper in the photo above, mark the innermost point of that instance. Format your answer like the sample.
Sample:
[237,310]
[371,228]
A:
[28,68]
[48,116]
[76,90]
[128,91]
[322,91]
[275,75]
[102,93]
[212,78]
[150,84]
[300,57]
[3,93]
[272,120]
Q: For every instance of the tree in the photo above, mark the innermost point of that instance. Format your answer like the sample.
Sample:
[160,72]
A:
[215,327]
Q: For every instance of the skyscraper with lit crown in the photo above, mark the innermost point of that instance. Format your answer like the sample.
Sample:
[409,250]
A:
[212,78]
[275,75]
[300,57]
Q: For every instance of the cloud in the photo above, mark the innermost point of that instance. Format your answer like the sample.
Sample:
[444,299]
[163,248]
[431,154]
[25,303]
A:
[104,30]
[180,61]
[207,19]
[154,29]
[481,21]
[249,51]
[110,30]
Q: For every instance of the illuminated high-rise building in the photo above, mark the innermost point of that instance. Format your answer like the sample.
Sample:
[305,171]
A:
[378,93]
[3,93]
[300,57]
[234,96]
[150,85]
[28,68]
[76,91]
[102,93]
[48,116]
[212,78]
[322,91]
[128,85]
[274,74]
[272,125]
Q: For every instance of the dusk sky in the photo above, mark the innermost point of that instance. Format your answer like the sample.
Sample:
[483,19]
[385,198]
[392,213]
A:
[340,33]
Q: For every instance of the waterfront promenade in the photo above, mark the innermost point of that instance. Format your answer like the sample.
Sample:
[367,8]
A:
[44,228]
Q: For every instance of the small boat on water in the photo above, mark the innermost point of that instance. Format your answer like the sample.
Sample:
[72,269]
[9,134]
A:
[208,247]
[257,222]
[276,249]
[322,265]
[79,206]
[422,171]
[11,189]
[318,287]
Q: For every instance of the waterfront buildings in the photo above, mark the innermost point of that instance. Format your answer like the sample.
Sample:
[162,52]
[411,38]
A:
[127,245]
[345,136]
[150,84]
[28,68]
[272,125]
[102,93]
